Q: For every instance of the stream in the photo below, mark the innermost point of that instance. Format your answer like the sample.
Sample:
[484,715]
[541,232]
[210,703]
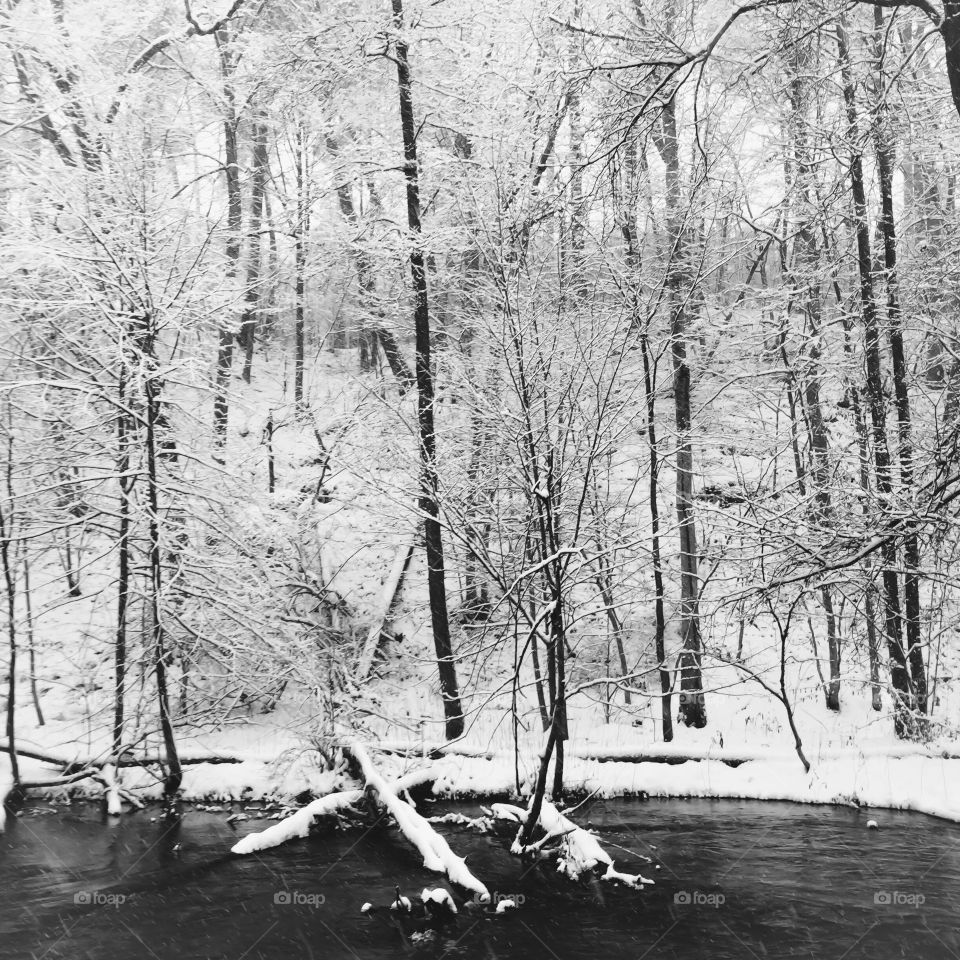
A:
[736,879]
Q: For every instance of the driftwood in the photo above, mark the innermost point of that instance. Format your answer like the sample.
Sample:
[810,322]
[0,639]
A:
[387,598]
[72,766]
[435,850]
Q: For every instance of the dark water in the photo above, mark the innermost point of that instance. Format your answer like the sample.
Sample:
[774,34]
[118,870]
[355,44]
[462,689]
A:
[736,880]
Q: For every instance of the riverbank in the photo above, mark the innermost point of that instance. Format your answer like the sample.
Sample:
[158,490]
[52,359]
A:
[907,777]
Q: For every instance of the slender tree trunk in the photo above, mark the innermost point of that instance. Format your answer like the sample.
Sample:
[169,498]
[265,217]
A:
[227,336]
[429,481]
[660,620]
[253,294]
[900,679]
[31,645]
[806,279]
[525,834]
[693,710]
[300,265]
[123,547]
[174,778]
[6,537]
[911,585]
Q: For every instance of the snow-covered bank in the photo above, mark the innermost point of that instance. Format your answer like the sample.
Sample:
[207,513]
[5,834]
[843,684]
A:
[923,784]
[915,780]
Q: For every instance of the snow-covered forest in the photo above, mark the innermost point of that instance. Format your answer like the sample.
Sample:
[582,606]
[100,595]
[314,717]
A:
[554,388]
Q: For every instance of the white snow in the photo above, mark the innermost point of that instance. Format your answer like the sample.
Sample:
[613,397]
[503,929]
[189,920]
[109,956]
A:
[439,896]
[298,824]
[435,850]
[111,778]
[504,905]
[580,851]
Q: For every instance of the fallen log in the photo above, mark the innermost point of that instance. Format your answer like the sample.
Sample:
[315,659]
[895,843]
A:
[298,824]
[125,761]
[390,587]
[435,850]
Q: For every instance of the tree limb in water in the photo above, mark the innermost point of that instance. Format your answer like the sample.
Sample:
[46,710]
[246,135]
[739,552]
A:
[580,851]
[436,852]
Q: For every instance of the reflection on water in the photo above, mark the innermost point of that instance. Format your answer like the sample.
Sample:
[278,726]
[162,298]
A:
[735,880]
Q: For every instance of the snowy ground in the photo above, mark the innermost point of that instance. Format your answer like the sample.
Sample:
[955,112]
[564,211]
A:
[854,755]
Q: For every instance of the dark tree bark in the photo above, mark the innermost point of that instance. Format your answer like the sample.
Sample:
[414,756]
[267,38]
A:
[227,336]
[666,683]
[6,539]
[885,152]
[300,267]
[900,678]
[629,231]
[950,30]
[805,277]
[429,481]
[123,551]
[174,777]
[693,711]
[252,294]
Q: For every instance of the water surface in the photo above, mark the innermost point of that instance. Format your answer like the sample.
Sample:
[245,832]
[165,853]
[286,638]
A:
[735,880]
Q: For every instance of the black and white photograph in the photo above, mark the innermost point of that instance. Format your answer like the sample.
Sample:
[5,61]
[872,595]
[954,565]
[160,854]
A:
[480,481]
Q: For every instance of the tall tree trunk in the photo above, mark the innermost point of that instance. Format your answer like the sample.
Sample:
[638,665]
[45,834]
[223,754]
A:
[227,335]
[6,539]
[806,279]
[693,709]
[300,267]
[252,294]
[899,676]
[666,684]
[123,547]
[174,778]
[429,482]
[630,233]
[884,149]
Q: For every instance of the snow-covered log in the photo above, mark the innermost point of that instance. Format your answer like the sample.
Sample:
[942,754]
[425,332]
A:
[111,781]
[435,850]
[125,761]
[298,824]
[580,851]
[390,587]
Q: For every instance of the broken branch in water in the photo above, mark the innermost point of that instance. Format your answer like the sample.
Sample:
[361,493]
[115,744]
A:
[580,851]
[436,852]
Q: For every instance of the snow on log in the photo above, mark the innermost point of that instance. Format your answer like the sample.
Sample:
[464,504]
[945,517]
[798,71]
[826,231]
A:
[580,851]
[111,782]
[390,587]
[435,850]
[298,824]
